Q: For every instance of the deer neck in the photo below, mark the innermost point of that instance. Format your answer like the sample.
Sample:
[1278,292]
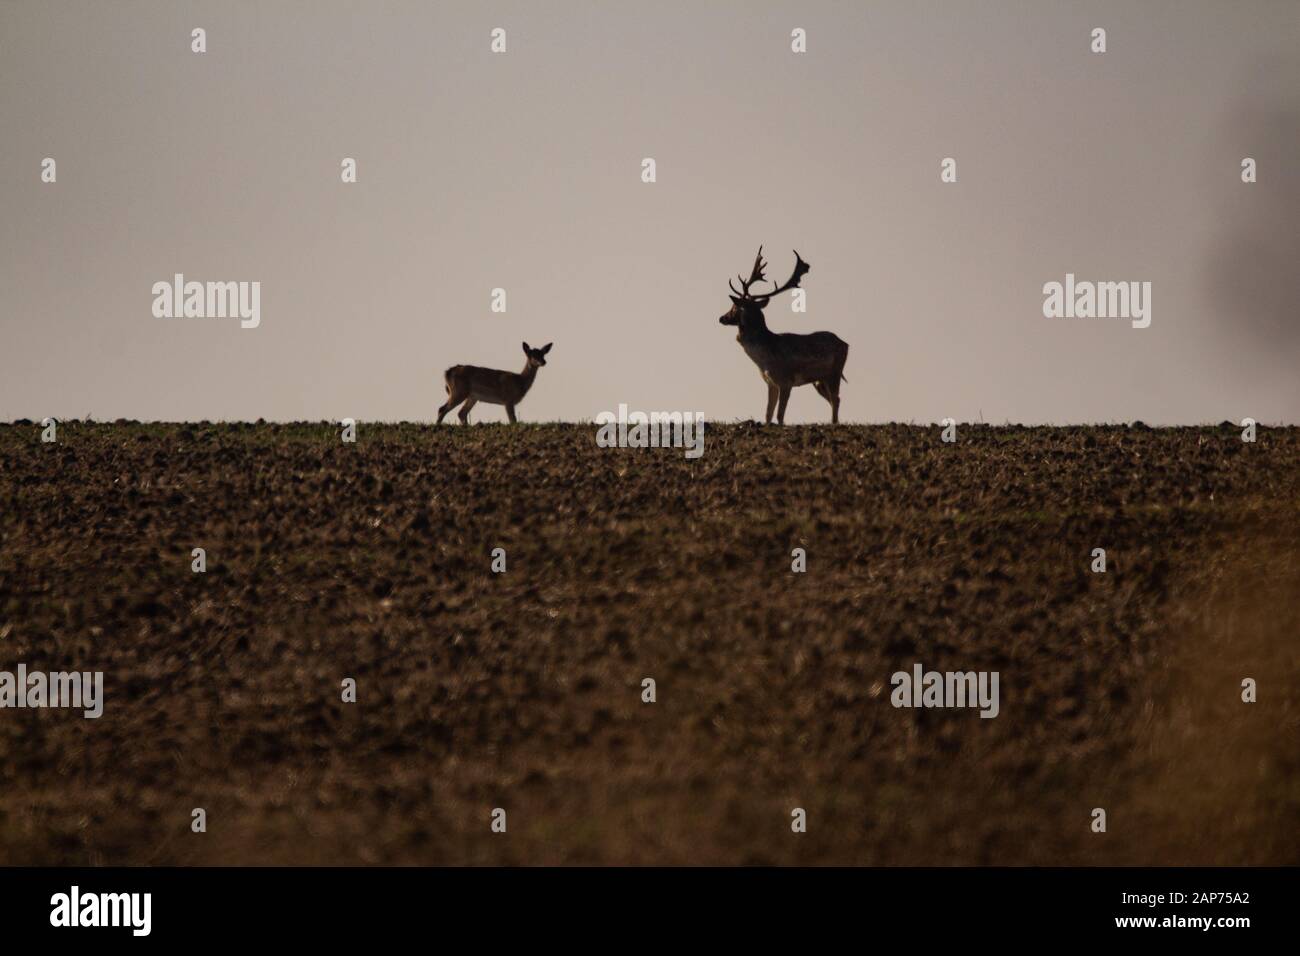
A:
[526,378]
[753,327]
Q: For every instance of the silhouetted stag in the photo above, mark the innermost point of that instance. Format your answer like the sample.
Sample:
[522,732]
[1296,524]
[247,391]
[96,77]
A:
[786,359]
[472,384]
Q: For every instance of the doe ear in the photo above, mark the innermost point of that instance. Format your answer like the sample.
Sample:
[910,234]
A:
[526,348]
[547,347]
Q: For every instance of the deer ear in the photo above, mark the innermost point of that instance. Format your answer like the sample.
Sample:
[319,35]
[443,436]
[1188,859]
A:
[734,300]
[526,348]
[547,347]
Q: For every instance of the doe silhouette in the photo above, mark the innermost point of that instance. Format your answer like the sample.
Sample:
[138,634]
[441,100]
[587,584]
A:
[472,384]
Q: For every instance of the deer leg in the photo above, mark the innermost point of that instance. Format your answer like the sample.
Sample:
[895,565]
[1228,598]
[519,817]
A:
[771,403]
[463,414]
[510,413]
[836,383]
[782,398]
[452,402]
[831,394]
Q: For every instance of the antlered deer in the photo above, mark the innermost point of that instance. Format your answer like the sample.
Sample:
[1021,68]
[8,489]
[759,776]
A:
[472,384]
[786,359]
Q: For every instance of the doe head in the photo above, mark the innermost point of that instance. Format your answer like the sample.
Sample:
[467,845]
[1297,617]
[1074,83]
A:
[537,357]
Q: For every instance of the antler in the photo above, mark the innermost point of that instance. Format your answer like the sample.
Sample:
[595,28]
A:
[800,270]
[755,276]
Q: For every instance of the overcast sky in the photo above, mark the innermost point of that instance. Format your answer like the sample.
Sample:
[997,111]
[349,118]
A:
[522,171]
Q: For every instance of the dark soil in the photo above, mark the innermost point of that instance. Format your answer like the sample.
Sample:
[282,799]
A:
[523,690]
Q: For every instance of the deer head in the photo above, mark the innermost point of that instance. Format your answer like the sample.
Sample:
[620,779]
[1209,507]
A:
[747,304]
[536,357]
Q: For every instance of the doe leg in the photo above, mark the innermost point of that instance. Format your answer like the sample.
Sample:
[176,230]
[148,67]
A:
[463,414]
[771,403]
[510,413]
[452,402]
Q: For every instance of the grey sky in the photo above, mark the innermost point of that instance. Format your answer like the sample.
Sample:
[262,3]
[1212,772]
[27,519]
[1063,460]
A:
[522,171]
